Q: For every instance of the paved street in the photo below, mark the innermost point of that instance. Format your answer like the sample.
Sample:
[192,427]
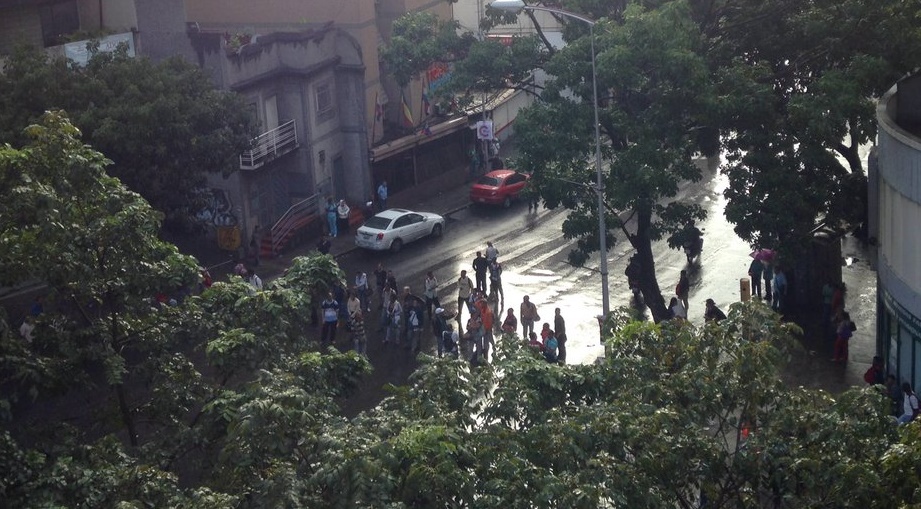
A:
[533,253]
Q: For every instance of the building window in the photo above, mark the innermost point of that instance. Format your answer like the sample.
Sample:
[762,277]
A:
[323,93]
[59,20]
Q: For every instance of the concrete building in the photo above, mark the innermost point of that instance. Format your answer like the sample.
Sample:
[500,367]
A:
[895,214]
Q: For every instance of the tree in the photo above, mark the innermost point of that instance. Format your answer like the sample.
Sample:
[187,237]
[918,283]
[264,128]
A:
[655,97]
[804,102]
[164,126]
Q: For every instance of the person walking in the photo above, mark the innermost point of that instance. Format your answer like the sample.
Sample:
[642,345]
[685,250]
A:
[754,272]
[480,266]
[331,217]
[342,216]
[431,294]
[528,315]
[559,326]
[382,193]
[464,286]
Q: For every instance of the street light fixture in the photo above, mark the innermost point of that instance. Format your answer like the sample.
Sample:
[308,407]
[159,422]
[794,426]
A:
[518,6]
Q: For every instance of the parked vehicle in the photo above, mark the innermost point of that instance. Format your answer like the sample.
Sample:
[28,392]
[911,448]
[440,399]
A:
[498,187]
[393,228]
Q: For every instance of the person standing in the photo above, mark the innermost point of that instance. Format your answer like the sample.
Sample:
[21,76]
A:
[874,375]
[768,274]
[683,289]
[713,313]
[475,329]
[431,294]
[359,339]
[395,322]
[559,326]
[480,266]
[495,280]
[324,245]
[754,272]
[488,318]
[909,404]
[380,277]
[492,254]
[331,216]
[330,320]
[342,215]
[361,288]
[353,306]
[677,310]
[510,325]
[464,286]
[439,325]
[780,290]
[846,329]
[382,194]
[528,315]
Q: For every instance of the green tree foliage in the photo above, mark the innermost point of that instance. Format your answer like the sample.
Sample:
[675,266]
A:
[803,95]
[235,406]
[654,94]
[419,39]
[164,126]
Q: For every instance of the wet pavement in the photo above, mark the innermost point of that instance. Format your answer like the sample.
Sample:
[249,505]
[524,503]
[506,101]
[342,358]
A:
[533,252]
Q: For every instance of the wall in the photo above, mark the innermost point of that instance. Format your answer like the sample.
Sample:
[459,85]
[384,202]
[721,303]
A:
[898,181]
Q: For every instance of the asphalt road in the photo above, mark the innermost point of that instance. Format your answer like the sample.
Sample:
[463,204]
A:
[534,253]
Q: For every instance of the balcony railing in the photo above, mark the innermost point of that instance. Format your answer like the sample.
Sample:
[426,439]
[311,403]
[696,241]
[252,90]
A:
[269,145]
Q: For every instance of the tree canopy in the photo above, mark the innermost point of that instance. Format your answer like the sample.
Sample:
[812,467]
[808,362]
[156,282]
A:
[163,125]
[784,90]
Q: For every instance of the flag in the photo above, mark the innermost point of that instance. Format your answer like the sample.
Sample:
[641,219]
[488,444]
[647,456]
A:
[378,109]
[406,113]
[426,105]
[377,125]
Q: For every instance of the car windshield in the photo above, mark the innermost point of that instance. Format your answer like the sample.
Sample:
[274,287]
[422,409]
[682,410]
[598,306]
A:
[486,180]
[378,223]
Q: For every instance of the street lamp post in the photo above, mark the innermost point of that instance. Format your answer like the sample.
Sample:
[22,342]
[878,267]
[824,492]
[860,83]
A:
[518,6]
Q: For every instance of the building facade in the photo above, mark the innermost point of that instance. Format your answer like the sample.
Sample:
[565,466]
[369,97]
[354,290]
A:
[895,208]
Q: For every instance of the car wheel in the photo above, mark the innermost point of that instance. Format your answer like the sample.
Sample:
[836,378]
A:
[436,230]
[507,202]
[396,245]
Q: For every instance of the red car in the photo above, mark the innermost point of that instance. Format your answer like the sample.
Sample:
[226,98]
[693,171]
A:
[498,187]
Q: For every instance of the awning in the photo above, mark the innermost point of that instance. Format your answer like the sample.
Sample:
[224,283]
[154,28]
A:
[414,140]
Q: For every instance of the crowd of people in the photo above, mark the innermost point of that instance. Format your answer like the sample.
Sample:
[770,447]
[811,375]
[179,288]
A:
[401,313]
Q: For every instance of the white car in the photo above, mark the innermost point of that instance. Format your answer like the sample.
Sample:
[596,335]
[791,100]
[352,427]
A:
[392,228]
